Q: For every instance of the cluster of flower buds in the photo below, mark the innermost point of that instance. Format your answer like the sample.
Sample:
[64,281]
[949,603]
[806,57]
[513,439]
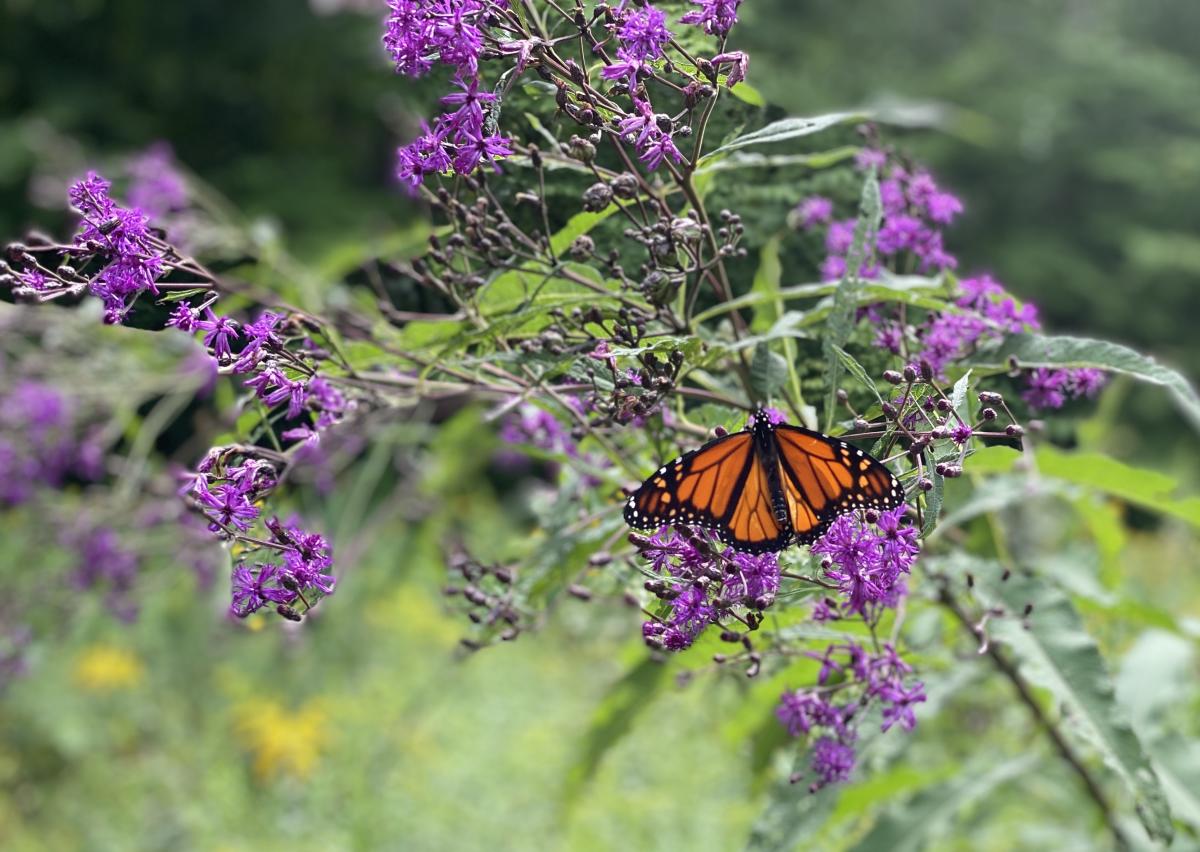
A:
[486,594]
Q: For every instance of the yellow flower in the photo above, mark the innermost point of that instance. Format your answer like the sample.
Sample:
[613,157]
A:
[103,668]
[281,742]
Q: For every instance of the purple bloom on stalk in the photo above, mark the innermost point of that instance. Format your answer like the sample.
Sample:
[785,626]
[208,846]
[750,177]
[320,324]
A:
[900,703]
[1046,388]
[715,17]
[184,317]
[754,579]
[740,65]
[644,34]
[252,591]
[33,279]
[832,761]
[961,433]
[476,149]
[219,332]
[814,211]
[156,185]
[870,158]
[1087,381]
[867,564]
[840,237]
[228,506]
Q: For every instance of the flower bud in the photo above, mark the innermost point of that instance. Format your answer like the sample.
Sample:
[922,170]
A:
[892,377]
[988,414]
[990,398]
[910,373]
[1013,430]
[596,197]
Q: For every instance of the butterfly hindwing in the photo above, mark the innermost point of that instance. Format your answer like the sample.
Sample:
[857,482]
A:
[823,477]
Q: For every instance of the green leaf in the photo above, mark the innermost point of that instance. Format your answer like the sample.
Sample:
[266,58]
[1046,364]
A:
[788,128]
[1057,654]
[768,372]
[912,826]
[766,283]
[755,160]
[856,369]
[845,298]
[577,226]
[1032,350]
[746,93]
[1149,489]
[933,502]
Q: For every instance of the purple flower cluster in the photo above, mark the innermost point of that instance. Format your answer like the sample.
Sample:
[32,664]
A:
[304,568]
[228,487]
[715,17]
[866,563]
[699,581]
[279,374]
[103,561]
[536,427]
[419,33]
[860,678]
[914,211]
[40,443]
[1051,388]
[645,129]
[155,185]
[133,258]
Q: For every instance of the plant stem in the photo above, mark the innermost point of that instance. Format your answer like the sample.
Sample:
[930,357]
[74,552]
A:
[1006,667]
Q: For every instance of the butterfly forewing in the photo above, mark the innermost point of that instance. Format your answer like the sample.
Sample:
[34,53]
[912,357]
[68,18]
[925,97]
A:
[699,489]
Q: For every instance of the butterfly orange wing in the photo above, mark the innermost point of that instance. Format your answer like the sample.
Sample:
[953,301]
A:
[723,487]
[823,477]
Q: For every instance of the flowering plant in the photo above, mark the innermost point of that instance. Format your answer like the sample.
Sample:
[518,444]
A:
[600,291]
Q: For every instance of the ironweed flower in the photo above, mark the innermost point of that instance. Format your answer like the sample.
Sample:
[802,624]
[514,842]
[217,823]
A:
[715,17]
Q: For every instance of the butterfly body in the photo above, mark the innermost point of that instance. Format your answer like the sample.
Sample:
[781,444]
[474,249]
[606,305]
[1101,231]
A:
[764,488]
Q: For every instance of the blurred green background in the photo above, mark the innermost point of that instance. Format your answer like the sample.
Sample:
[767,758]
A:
[1075,143]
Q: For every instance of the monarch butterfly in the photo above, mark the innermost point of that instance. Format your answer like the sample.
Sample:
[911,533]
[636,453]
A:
[765,487]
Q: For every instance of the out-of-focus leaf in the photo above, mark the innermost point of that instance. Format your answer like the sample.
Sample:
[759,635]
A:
[1033,350]
[785,129]
[1149,489]
[754,160]
[1155,674]
[845,298]
[912,825]
[1057,654]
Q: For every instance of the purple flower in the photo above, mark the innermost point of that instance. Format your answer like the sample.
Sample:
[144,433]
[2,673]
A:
[942,207]
[156,186]
[1046,388]
[867,564]
[715,17]
[228,506]
[832,761]
[219,332]
[252,591]
[961,433]
[644,34]
[740,62]
[870,158]
[754,579]
[900,703]
[184,317]
[814,211]
[840,237]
